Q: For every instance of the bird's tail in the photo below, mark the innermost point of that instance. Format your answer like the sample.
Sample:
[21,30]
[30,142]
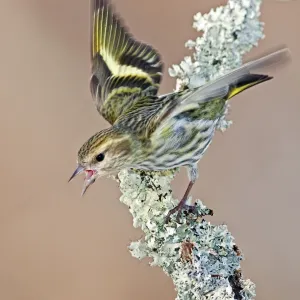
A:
[245,82]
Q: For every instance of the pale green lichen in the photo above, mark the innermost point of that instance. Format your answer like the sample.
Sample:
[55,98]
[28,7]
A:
[201,258]
[227,33]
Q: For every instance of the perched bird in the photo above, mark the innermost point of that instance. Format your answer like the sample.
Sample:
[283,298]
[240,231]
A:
[148,131]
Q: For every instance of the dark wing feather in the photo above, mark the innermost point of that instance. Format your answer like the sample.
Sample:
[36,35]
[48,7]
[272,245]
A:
[121,66]
[141,119]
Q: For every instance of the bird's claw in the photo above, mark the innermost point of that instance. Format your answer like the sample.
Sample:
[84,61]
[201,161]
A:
[179,209]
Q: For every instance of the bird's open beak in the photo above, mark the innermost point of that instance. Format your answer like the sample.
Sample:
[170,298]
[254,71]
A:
[90,177]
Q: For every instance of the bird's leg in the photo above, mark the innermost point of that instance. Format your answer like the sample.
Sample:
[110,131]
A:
[181,205]
[193,175]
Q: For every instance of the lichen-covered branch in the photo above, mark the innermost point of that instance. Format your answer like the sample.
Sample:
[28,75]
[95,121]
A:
[201,258]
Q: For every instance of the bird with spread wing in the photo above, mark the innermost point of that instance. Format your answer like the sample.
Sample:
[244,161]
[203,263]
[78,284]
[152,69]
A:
[148,131]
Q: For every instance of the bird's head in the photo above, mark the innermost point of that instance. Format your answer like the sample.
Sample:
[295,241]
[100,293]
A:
[106,152]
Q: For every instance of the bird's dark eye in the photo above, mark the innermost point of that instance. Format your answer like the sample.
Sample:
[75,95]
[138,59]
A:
[100,157]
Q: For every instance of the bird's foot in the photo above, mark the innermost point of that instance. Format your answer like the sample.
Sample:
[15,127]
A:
[179,209]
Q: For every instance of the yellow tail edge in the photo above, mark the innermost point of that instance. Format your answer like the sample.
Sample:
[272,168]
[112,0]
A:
[246,82]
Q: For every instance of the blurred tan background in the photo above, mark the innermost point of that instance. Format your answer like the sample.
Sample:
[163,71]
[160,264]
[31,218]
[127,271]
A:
[57,245]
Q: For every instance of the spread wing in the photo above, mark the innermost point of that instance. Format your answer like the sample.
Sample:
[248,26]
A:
[203,102]
[122,67]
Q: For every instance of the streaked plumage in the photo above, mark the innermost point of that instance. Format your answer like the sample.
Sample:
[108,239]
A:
[148,131]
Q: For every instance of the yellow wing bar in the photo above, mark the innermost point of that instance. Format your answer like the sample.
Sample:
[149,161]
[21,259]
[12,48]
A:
[119,61]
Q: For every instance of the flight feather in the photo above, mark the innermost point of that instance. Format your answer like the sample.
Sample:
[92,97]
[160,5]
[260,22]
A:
[122,67]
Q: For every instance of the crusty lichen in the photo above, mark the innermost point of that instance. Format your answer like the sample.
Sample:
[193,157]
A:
[227,33]
[201,258]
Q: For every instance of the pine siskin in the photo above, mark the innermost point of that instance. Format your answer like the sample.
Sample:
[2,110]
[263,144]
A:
[148,131]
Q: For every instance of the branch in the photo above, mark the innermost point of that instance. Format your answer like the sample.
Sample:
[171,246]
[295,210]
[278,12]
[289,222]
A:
[201,258]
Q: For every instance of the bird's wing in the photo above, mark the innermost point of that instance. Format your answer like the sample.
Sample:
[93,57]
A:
[225,86]
[141,119]
[121,66]
[220,86]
